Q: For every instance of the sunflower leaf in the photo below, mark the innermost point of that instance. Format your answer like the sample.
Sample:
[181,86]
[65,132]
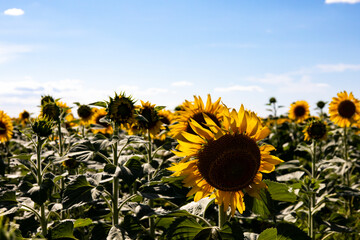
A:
[99,104]
[184,228]
[268,234]
[280,191]
[64,230]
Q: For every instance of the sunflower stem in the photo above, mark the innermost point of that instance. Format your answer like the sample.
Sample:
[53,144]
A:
[347,173]
[222,215]
[115,180]
[312,194]
[43,221]
[151,202]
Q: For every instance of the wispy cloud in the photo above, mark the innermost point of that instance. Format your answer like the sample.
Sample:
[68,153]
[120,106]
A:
[182,84]
[14,12]
[10,51]
[342,1]
[338,67]
[293,82]
[240,88]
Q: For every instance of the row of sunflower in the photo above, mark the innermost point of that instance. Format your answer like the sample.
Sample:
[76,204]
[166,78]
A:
[204,171]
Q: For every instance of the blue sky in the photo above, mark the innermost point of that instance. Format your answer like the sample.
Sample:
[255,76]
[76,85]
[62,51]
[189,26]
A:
[167,51]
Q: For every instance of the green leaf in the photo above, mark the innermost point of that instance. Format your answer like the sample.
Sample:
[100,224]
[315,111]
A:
[122,172]
[8,199]
[268,234]
[79,191]
[210,233]
[287,231]
[40,194]
[64,230]
[99,231]
[280,191]
[82,222]
[184,228]
[99,104]
[232,231]
[199,207]
[263,206]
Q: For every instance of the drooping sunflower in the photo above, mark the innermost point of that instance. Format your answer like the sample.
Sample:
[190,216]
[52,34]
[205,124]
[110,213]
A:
[121,109]
[46,99]
[299,111]
[6,127]
[42,127]
[344,109]
[315,129]
[51,111]
[224,162]
[102,127]
[148,119]
[24,117]
[194,110]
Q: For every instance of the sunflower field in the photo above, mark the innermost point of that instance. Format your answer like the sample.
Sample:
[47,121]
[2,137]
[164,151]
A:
[128,169]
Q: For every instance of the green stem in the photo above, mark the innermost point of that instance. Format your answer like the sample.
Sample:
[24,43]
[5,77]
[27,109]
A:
[347,173]
[222,216]
[313,195]
[115,180]
[151,203]
[43,221]
[60,139]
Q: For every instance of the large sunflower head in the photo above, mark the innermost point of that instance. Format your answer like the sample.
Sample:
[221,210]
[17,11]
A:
[6,127]
[224,162]
[299,111]
[315,129]
[194,110]
[51,111]
[121,109]
[85,113]
[148,118]
[101,125]
[344,109]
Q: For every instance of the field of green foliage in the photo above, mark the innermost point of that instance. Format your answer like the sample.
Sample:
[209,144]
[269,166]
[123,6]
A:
[127,169]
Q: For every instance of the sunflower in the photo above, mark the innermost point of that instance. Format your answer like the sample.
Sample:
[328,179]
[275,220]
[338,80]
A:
[315,129]
[121,109]
[24,117]
[64,107]
[6,127]
[46,99]
[104,127]
[148,118]
[42,127]
[166,118]
[51,111]
[344,109]
[85,113]
[194,110]
[224,162]
[299,111]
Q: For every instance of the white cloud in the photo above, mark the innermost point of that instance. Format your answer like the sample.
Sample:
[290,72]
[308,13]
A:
[181,84]
[10,51]
[240,88]
[342,1]
[14,12]
[338,67]
[293,82]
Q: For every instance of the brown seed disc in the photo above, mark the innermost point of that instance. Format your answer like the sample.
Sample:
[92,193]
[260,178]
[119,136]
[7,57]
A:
[230,163]
[299,111]
[2,128]
[346,109]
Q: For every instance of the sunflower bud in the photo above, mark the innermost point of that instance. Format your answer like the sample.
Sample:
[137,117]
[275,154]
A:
[148,116]
[71,163]
[42,127]
[121,109]
[272,100]
[51,111]
[320,104]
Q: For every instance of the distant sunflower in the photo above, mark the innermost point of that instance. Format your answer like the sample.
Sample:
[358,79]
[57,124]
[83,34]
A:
[85,113]
[194,110]
[103,127]
[24,117]
[46,99]
[166,118]
[6,127]
[64,107]
[344,109]
[70,121]
[121,109]
[149,118]
[223,162]
[299,111]
[316,129]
